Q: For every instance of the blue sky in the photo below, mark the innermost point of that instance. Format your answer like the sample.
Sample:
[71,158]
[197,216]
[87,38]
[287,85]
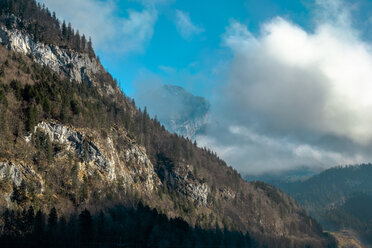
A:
[168,49]
[290,82]
[169,54]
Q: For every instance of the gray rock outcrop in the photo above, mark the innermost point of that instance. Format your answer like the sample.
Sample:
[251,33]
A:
[189,186]
[76,66]
[134,166]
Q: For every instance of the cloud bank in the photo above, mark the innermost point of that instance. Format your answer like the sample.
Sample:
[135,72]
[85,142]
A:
[295,97]
[110,32]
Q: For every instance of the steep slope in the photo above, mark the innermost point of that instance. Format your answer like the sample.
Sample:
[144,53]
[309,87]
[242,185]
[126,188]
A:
[72,140]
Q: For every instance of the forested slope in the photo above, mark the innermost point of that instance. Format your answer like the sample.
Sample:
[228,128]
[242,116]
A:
[339,198]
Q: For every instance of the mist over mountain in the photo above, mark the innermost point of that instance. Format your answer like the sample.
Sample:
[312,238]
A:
[298,174]
[178,110]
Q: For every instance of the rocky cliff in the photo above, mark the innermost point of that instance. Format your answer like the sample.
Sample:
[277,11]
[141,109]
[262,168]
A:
[77,66]
[126,163]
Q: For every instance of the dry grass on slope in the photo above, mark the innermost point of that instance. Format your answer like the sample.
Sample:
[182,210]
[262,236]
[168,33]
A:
[347,239]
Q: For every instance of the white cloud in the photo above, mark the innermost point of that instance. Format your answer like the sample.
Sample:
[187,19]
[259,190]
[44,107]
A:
[154,2]
[185,26]
[295,97]
[138,29]
[167,69]
[255,153]
[320,81]
[109,32]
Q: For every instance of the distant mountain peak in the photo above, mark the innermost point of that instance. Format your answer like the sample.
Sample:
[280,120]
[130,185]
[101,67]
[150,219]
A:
[178,110]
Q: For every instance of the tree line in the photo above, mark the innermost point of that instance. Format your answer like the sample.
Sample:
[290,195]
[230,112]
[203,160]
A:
[38,21]
[118,226]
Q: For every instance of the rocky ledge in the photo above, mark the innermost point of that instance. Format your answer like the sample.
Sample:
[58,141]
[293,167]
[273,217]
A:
[76,66]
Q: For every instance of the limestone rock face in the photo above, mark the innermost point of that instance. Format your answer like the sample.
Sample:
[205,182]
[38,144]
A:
[17,172]
[141,167]
[198,192]
[227,194]
[78,144]
[12,172]
[77,66]
[186,183]
[129,164]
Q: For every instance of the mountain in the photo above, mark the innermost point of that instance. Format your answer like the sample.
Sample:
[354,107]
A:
[354,214]
[72,142]
[338,198]
[178,110]
[191,117]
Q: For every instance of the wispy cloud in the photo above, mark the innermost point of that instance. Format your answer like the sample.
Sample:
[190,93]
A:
[138,29]
[110,32]
[185,26]
[167,69]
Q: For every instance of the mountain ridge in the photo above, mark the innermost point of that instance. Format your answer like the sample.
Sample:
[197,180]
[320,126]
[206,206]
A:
[338,198]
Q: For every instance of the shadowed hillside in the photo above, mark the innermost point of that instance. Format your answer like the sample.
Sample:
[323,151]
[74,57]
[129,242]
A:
[339,198]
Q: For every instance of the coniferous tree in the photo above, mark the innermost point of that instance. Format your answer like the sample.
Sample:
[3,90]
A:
[52,219]
[77,41]
[83,43]
[64,30]
[9,226]
[85,226]
[31,114]
[70,33]
[90,48]
[39,226]
[30,218]
[19,193]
